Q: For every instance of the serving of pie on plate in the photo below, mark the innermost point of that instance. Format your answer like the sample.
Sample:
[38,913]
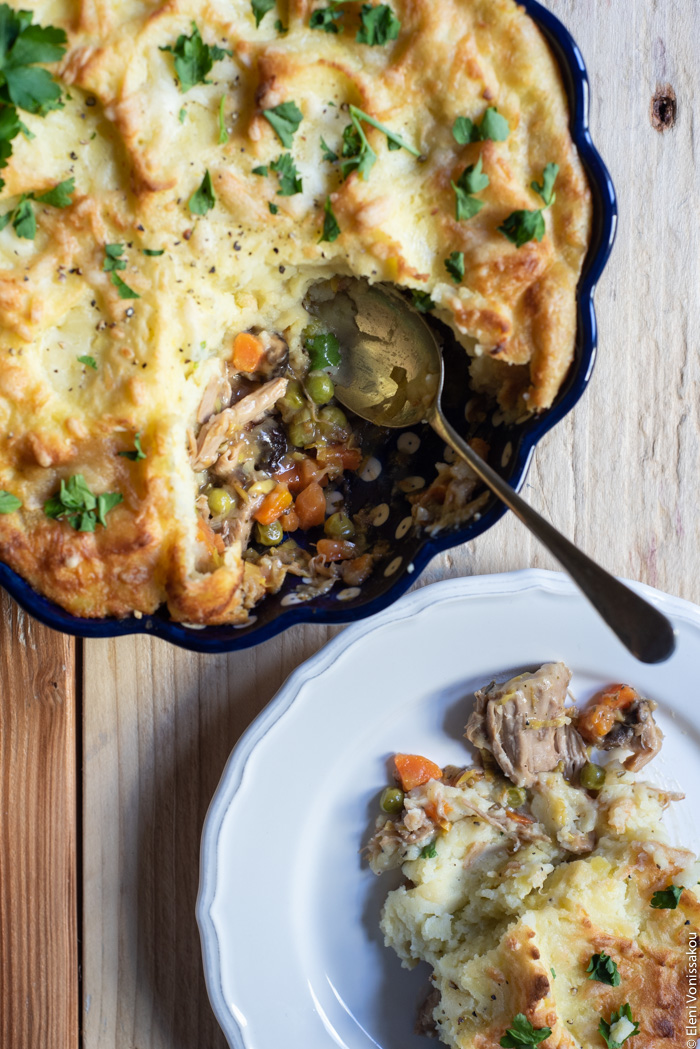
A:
[177,178]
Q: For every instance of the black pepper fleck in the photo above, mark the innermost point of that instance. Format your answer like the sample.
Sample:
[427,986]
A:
[281,269]
[236,246]
[73,156]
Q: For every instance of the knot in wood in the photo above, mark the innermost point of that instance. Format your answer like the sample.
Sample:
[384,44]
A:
[663,108]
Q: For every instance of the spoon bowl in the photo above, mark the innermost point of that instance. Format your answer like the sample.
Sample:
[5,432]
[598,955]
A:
[392,375]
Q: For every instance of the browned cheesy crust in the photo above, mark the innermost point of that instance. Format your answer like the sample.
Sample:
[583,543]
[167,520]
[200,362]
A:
[138,147]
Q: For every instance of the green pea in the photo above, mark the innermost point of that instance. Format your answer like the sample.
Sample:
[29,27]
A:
[391,800]
[302,429]
[319,388]
[269,535]
[339,526]
[592,776]
[293,398]
[331,418]
[515,797]
[220,501]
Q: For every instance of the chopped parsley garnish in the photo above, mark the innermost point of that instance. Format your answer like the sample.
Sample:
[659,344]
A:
[285,119]
[554,975]
[203,199]
[260,9]
[471,181]
[76,504]
[59,196]
[422,301]
[154,253]
[281,28]
[112,263]
[379,25]
[273,207]
[285,169]
[522,1033]
[8,502]
[328,153]
[667,899]
[88,361]
[523,226]
[331,229]
[455,266]
[22,84]
[428,852]
[356,150]
[491,126]
[603,969]
[193,59]
[223,133]
[22,216]
[326,19]
[323,351]
[615,1032]
[138,452]
[182,115]
[394,141]
[546,190]
[261,170]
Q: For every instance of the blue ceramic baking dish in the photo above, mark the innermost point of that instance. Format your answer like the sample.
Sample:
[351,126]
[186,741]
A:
[510,445]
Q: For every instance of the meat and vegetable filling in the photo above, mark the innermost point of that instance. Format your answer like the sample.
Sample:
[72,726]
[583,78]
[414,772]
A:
[273,451]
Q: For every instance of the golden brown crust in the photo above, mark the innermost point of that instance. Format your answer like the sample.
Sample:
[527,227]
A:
[136,165]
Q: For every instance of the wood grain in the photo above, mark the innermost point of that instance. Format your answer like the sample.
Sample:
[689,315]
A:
[620,475]
[38,914]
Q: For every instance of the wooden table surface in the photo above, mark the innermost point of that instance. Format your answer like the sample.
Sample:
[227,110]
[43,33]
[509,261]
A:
[110,750]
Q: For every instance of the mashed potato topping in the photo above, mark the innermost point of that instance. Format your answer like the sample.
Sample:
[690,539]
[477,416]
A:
[194,170]
[558,911]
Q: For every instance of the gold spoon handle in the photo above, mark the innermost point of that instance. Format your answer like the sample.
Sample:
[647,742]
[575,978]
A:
[640,627]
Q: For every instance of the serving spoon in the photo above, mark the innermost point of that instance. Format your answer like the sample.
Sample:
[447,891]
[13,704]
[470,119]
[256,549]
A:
[392,374]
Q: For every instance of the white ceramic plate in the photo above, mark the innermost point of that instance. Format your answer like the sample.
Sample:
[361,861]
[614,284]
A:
[288,911]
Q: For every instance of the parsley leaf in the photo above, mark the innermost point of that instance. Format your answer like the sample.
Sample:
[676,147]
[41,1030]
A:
[125,292]
[88,361]
[545,190]
[281,28]
[667,899]
[8,502]
[523,226]
[491,126]
[24,219]
[331,229]
[76,504]
[285,119]
[455,266]
[203,199]
[603,969]
[194,59]
[260,9]
[359,155]
[395,141]
[285,169]
[379,25]
[59,196]
[522,1033]
[138,452]
[261,170]
[154,253]
[112,261]
[605,1029]
[182,115]
[328,153]
[223,133]
[422,301]
[273,207]
[429,852]
[471,181]
[323,351]
[326,19]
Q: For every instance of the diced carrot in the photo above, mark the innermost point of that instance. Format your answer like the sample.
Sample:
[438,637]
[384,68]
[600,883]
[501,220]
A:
[303,473]
[519,817]
[356,571]
[347,458]
[273,505]
[480,447]
[310,506]
[289,520]
[247,352]
[290,476]
[413,770]
[335,549]
[595,722]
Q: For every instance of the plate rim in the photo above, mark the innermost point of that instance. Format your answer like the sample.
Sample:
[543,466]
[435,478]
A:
[409,605]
